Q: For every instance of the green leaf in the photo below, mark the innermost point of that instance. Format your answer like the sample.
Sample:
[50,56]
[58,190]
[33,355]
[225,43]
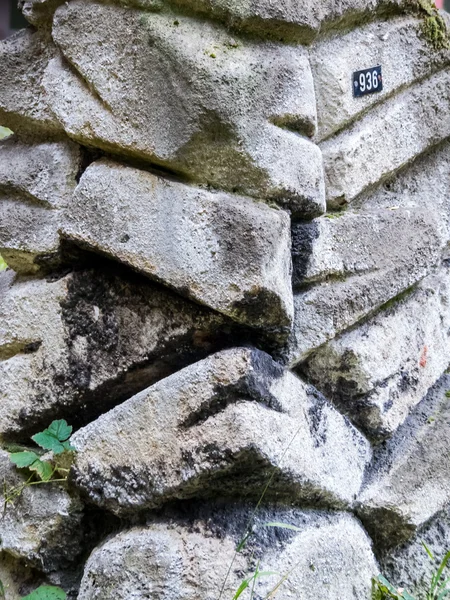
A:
[23,459]
[2,590]
[60,429]
[48,441]
[282,525]
[246,582]
[428,551]
[43,468]
[46,592]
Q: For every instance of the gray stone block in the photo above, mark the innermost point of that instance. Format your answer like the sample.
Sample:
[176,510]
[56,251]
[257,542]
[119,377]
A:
[328,557]
[227,252]
[76,346]
[44,526]
[398,45]
[221,426]
[386,139]
[37,181]
[378,372]
[189,97]
[409,480]
[23,59]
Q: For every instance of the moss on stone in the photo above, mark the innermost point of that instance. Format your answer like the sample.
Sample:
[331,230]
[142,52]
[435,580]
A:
[434,27]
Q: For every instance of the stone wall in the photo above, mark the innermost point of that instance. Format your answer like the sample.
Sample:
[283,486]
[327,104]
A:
[230,275]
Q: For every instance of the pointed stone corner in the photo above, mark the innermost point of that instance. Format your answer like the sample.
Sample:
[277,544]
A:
[378,372]
[37,182]
[409,479]
[195,557]
[220,426]
[190,101]
[227,252]
[43,527]
[74,347]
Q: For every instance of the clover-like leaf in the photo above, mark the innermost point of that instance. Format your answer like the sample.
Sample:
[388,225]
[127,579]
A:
[48,441]
[47,592]
[23,459]
[60,429]
[43,468]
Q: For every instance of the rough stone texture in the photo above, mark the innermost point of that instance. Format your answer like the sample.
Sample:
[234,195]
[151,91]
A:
[189,561]
[290,21]
[409,565]
[76,346]
[37,181]
[39,12]
[353,160]
[399,246]
[43,526]
[409,479]
[230,253]
[187,96]
[17,578]
[220,426]
[399,46]
[23,60]
[347,265]
[376,373]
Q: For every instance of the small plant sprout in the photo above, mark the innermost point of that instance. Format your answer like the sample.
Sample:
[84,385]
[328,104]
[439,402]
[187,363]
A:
[437,590]
[51,469]
[44,592]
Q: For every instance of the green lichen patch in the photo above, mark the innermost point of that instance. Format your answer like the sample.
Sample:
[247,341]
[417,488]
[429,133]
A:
[434,27]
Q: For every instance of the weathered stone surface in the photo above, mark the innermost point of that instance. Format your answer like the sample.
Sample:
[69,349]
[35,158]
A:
[18,579]
[43,526]
[23,60]
[388,245]
[399,46]
[409,565]
[37,180]
[76,346]
[398,245]
[230,253]
[386,139]
[220,426]
[187,96]
[409,479]
[376,373]
[190,561]
[39,12]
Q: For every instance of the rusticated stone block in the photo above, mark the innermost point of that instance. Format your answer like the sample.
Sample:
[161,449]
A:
[23,60]
[378,372]
[398,45]
[346,266]
[43,526]
[409,480]
[189,97]
[37,181]
[192,559]
[220,426]
[76,346]
[230,253]
[386,139]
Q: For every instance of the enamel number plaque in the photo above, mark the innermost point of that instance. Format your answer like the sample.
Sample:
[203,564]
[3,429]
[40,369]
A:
[368,81]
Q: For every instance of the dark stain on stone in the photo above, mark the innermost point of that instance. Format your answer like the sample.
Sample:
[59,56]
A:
[303,237]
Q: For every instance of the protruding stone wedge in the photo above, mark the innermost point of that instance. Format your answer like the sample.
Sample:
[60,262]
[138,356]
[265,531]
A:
[23,60]
[43,526]
[409,480]
[37,181]
[386,139]
[378,372]
[218,427]
[230,253]
[187,96]
[399,245]
[39,12]
[195,557]
[74,347]
[398,45]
